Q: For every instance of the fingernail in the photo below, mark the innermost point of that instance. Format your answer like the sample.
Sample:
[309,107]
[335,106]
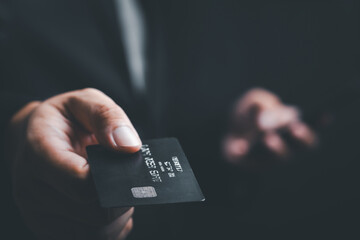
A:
[125,137]
[268,120]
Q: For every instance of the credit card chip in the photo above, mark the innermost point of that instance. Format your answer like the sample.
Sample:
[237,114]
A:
[143,192]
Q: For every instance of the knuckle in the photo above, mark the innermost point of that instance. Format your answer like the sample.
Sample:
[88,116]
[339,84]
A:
[80,95]
[108,113]
[83,95]
[92,91]
[104,109]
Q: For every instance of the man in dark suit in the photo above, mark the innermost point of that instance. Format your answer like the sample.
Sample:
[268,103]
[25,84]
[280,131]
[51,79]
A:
[200,57]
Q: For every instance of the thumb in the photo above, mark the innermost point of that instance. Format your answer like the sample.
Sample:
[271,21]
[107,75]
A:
[101,116]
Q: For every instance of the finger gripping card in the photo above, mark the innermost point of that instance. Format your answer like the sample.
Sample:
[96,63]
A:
[159,173]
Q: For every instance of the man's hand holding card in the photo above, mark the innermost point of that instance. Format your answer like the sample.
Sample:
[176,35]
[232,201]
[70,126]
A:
[51,175]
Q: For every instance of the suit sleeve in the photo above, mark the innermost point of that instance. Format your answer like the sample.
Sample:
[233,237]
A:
[11,97]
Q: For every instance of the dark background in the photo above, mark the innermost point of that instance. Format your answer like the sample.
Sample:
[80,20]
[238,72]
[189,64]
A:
[203,55]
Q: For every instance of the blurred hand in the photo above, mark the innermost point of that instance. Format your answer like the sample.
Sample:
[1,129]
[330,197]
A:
[51,182]
[261,119]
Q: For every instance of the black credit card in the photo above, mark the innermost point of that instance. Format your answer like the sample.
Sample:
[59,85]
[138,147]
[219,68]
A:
[159,173]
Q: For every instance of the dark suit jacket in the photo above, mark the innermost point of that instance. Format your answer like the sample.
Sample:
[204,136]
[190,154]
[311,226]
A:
[202,55]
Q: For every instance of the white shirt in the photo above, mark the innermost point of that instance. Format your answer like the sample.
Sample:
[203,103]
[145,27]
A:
[132,27]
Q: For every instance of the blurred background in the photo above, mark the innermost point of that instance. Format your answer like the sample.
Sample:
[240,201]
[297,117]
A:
[203,57]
